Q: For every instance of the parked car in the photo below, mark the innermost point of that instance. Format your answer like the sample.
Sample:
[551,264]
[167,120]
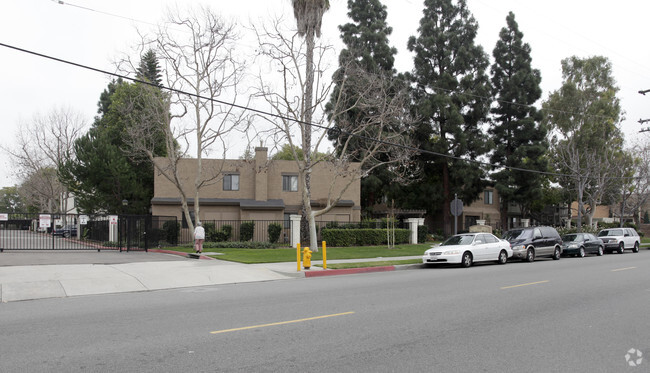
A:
[580,244]
[533,242]
[66,231]
[619,239]
[465,249]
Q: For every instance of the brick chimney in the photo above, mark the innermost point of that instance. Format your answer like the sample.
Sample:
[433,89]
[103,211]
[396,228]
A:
[261,174]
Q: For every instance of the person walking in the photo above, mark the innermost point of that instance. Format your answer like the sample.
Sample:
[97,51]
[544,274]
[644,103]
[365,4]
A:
[199,237]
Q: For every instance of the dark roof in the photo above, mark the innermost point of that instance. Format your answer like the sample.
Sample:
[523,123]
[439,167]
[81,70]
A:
[273,204]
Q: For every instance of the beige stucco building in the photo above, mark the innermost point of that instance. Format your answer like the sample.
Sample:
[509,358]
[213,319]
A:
[257,189]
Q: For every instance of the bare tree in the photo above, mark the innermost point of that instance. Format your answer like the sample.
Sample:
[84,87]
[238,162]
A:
[41,146]
[196,52]
[380,138]
[635,185]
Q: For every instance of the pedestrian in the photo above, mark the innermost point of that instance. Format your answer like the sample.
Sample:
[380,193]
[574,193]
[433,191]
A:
[199,237]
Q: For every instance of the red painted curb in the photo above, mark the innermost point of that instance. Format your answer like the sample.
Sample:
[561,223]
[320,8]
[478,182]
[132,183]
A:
[348,271]
[178,253]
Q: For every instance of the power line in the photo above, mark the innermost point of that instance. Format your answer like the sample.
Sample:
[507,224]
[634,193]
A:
[278,116]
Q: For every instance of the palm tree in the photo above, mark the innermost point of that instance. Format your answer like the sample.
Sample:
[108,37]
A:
[309,17]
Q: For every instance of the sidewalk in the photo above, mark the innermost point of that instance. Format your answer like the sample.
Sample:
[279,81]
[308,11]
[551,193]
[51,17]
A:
[43,274]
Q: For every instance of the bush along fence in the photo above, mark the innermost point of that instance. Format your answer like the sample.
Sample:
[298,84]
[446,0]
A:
[267,233]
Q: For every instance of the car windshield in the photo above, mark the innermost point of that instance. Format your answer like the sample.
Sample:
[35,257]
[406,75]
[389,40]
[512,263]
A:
[571,238]
[516,234]
[611,232]
[459,240]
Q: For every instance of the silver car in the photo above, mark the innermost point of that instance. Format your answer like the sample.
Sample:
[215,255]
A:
[619,239]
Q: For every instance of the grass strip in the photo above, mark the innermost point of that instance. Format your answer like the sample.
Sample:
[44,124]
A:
[254,256]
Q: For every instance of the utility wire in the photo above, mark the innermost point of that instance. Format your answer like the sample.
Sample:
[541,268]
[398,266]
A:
[278,116]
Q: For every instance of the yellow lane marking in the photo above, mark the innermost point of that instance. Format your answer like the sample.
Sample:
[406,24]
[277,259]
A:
[281,323]
[622,269]
[520,285]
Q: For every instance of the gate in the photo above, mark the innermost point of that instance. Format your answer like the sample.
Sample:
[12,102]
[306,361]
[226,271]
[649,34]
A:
[27,231]
[142,232]
[46,231]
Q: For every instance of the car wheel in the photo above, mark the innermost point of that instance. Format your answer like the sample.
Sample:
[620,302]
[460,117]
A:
[467,259]
[66,234]
[600,251]
[530,256]
[556,253]
[621,248]
[503,257]
[636,247]
[581,252]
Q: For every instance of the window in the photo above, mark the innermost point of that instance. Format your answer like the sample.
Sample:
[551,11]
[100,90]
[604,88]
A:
[289,183]
[488,197]
[231,182]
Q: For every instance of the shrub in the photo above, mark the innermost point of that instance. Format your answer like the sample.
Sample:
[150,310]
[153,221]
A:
[646,218]
[171,228]
[235,245]
[362,237]
[274,230]
[423,232]
[224,234]
[210,231]
[246,230]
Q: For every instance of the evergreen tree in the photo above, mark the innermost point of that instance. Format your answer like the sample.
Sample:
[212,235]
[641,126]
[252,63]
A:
[149,69]
[103,171]
[518,135]
[366,48]
[452,98]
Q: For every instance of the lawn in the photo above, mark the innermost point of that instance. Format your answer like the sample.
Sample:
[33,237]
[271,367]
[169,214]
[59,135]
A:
[252,256]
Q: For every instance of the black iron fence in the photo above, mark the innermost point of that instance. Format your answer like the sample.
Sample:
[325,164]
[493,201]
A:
[28,231]
[274,231]
[141,232]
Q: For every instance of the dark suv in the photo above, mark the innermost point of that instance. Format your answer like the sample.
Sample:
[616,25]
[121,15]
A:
[531,242]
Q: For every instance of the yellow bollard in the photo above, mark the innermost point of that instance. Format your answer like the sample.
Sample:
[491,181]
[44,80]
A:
[306,258]
[298,255]
[324,255]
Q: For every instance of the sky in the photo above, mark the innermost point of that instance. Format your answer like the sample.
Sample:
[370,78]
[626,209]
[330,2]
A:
[97,33]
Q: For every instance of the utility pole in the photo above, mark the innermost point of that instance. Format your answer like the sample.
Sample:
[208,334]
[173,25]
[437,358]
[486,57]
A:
[641,121]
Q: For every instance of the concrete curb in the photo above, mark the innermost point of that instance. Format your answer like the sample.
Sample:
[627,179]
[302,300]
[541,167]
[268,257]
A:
[180,253]
[348,271]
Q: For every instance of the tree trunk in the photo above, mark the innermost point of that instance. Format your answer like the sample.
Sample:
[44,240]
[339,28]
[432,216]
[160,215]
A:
[446,214]
[305,220]
[580,206]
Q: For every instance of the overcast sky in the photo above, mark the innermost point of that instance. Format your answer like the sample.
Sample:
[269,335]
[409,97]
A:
[95,33]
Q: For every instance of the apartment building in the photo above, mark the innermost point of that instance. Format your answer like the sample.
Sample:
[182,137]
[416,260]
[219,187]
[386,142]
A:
[258,189]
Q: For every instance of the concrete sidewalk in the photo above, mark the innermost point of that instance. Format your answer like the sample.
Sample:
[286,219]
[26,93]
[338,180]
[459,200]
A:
[44,274]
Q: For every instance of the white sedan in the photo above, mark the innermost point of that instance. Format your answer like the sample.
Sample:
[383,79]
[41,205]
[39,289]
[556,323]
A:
[465,249]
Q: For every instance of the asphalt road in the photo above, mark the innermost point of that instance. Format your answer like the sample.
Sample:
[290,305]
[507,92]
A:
[578,315]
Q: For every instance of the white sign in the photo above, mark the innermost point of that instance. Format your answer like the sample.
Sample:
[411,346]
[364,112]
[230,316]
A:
[44,221]
[113,219]
[83,219]
[4,217]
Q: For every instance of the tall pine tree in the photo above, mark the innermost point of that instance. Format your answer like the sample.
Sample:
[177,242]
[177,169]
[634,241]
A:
[518,135]
[367,49]
[149,68]
[102,173]
[452,97]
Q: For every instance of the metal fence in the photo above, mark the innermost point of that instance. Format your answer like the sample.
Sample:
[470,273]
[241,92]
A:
[241,230]
[141,232]
[28,231]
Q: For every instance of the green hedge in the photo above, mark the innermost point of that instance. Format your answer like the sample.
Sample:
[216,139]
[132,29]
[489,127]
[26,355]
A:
[274,231]
[362,237]
[246,230]
[423,232]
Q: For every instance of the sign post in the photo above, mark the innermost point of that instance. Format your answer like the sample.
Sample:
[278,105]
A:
[456,210]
